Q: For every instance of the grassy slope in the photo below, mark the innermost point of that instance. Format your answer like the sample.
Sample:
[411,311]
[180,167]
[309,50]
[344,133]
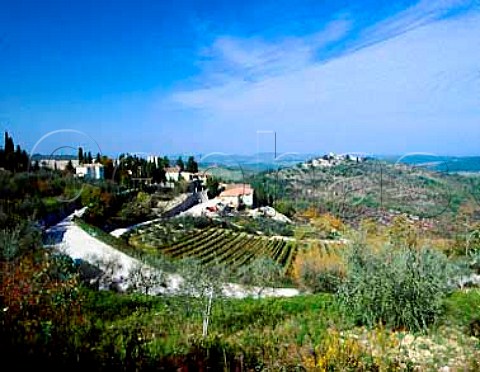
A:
[276,333]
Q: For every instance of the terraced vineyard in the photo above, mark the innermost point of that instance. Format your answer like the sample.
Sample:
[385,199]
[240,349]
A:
[223,246]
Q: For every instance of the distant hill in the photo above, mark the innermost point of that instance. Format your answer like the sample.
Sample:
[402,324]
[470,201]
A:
[266,161]
[36,157]
[377,188]
[446,164]
[256,162]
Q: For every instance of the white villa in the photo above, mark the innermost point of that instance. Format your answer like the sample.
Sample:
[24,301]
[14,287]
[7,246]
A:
[236,192]
[331,159]
[91,171]
[174,174]
[56,164]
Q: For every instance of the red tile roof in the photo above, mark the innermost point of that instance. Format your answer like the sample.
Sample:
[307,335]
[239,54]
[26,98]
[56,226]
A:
[237,191]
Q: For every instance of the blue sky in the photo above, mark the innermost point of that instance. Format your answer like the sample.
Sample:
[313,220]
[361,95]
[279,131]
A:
[204,76]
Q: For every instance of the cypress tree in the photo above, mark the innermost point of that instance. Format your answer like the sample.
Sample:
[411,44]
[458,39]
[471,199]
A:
[70,167]
[9,153]
[166,161]
[9,145]
[180,164]
[192,165]
[17,159]
[25,160]
[80,156]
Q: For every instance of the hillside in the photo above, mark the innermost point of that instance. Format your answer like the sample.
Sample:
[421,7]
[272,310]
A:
[445,164]
[374,188]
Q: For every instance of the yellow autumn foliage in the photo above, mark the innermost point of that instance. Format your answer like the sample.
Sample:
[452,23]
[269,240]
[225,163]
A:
[327,222]
[403,233]
[319,267]
[342,351]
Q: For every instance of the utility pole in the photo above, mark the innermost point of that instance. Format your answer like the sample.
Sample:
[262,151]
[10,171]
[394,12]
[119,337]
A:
[381,186]
[275,139]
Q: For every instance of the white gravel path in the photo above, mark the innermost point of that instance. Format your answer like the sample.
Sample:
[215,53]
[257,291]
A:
[78,244]
[201,209]
[119,232]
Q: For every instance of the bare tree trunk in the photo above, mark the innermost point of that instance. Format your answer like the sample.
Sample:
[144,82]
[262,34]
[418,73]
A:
[207,314]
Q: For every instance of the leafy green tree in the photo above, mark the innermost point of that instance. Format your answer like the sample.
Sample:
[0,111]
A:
[180,164]
[261,274]
[158,175]
[260,196]
[90,195]
[142,278]
[201,288]
[192,165]
[212,187]
[69,168]
[181,186]
[285,207]
[25,160]
[166,161]
[108,167]
[397,286]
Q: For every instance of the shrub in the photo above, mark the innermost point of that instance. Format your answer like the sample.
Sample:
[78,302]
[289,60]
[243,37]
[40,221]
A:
[474,261]
[285,207]
[318,271]
[402,232]
[396,287]
[262,273]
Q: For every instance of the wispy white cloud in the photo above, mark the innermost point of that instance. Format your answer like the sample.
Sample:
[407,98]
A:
[421,80]
[420,14]
[254,58]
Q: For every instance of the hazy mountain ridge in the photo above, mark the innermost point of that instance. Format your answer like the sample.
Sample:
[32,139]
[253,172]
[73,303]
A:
[265,161]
